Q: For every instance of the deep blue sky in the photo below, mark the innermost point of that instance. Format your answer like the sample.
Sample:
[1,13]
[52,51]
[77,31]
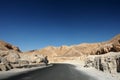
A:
[35,24]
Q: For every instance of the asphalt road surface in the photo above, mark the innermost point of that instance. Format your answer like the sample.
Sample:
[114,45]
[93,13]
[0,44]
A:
[56,72]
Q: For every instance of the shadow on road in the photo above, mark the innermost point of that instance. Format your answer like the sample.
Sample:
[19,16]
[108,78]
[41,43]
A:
[55,72]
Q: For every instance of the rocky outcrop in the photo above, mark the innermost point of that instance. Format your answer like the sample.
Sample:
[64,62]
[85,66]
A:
[6,46]
[12,57]
[32,58]
[109,62]
[7,58]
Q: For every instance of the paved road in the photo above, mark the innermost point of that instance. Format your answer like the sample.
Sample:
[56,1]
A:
[56,72]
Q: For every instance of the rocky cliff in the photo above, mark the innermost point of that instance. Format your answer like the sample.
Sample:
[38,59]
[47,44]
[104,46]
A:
[109,62]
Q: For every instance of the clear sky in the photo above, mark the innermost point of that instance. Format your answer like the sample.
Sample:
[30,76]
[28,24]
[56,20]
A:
[35,24]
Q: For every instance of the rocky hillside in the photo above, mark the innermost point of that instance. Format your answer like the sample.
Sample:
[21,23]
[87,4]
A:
[12,57]
[112,45]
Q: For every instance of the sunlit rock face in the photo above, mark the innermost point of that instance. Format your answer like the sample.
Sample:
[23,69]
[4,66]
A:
[109,62]
[8,54]
[9,51]
[12,57]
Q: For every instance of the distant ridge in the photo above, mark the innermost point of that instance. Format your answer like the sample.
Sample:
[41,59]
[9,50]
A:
[112,45]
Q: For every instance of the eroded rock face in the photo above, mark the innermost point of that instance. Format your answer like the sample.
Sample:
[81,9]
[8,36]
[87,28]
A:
[12,57]
[7,57]
[109,62]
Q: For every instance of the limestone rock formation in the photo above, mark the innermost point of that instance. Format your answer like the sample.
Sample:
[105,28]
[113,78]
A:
[8,51]
[4,64]
[7,58]
[31,57]
[109,62]
[8,54]
[12,57]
